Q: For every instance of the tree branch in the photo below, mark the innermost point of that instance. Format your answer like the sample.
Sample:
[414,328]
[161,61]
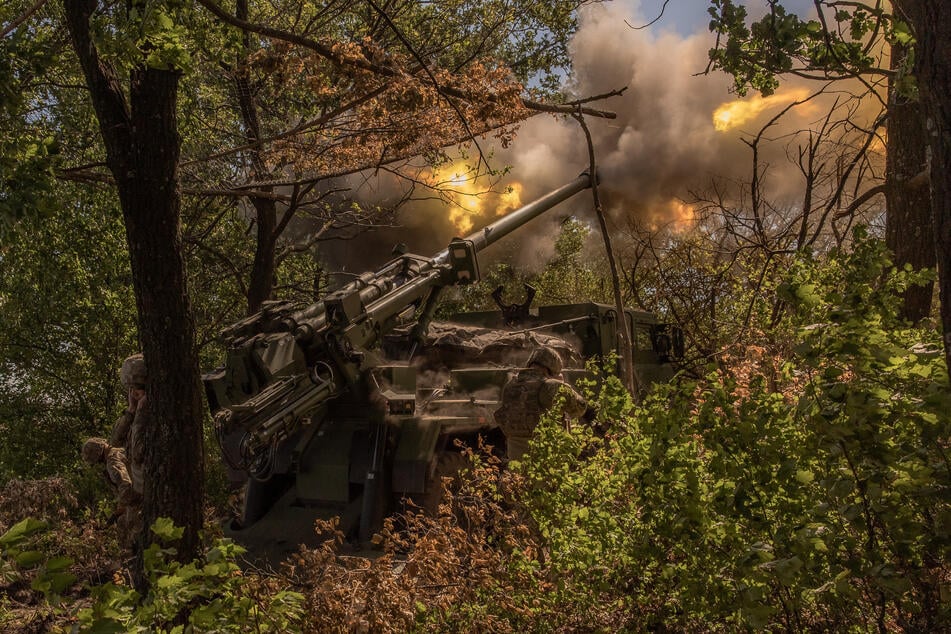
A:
[654,21]
[861,200]
[409,46]
[105,89]
[363,64]
[23,17]
[624,335]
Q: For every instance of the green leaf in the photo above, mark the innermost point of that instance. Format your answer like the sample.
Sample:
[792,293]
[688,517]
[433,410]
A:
[59,582]
[165,529]
[805,477]
[29,559]
[785,569]
[106,626]
[901,33]
[20,531]
[56,564]
[167,582]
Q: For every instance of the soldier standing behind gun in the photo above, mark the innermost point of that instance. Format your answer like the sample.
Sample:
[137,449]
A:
[529,394]
[130,428]
[128,514]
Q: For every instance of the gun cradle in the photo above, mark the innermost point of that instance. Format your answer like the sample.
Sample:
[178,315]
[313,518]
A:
[271,416]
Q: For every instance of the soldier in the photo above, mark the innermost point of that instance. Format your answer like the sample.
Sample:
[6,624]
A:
[130,428]
[128,513]
[529,394]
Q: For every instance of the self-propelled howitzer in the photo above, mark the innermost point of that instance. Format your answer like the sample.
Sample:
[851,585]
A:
[287,367]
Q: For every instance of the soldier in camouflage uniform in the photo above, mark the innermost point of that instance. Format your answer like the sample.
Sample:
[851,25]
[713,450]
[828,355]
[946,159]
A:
[128,513]
[529,394]
[130,428]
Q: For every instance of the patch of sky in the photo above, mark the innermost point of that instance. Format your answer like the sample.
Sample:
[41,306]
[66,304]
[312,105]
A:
[690,16]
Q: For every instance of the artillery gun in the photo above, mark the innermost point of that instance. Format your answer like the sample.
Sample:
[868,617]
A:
[324,411]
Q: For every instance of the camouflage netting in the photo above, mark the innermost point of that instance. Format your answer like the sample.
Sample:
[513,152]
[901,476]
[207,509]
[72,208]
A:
[51,499]
[455,345]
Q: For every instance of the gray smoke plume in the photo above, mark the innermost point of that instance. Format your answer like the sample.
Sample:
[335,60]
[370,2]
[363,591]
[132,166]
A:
[665,142]
[662,145]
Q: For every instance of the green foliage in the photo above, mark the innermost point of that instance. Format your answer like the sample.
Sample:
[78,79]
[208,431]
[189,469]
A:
[571,276]
[568,277]
[781,42]
[27,149]
[18,556]
[68,320]
[146,33]
[725,503]
[208,595]
[716,300]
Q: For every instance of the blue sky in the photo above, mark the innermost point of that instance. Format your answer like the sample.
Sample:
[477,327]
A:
[689,16]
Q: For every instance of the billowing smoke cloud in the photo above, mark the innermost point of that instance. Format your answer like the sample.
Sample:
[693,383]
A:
[672,135]
[663,135]
[664,143]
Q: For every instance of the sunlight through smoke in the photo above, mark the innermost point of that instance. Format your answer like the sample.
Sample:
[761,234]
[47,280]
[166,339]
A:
[469,199]
[736,113]
[683,216]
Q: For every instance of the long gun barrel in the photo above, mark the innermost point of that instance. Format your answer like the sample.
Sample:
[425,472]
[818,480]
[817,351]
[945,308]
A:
[285,363]
[512,221]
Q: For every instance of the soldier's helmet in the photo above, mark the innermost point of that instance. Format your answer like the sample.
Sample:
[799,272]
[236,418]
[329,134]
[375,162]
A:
[133,373]
[94,450]
[548,358]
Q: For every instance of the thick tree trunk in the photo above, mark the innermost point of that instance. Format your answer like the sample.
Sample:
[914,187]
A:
[931,21]
[148,190]
[909,231]
[140,134]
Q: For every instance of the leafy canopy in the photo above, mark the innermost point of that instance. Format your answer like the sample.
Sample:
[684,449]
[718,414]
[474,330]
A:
[844,42]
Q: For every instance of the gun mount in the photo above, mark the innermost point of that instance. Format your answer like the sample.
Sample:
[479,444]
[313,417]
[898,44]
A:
[301,402]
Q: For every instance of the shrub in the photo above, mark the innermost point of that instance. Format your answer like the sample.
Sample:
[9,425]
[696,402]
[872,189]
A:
[201,596]
[819,503]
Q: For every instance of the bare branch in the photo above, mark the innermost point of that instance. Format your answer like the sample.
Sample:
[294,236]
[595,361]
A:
[23,17]
[655,20]
[624,334]
[299,247]
[856,204]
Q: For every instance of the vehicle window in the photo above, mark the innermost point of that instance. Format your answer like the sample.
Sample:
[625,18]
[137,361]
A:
[642,339]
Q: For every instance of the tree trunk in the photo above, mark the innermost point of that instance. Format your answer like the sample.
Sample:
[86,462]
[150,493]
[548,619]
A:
[261,283]
[931,22]
[151,204]
[140,134]
[909,231]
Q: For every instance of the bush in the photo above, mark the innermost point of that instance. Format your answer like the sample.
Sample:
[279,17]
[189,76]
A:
[211,595]
[820,503]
